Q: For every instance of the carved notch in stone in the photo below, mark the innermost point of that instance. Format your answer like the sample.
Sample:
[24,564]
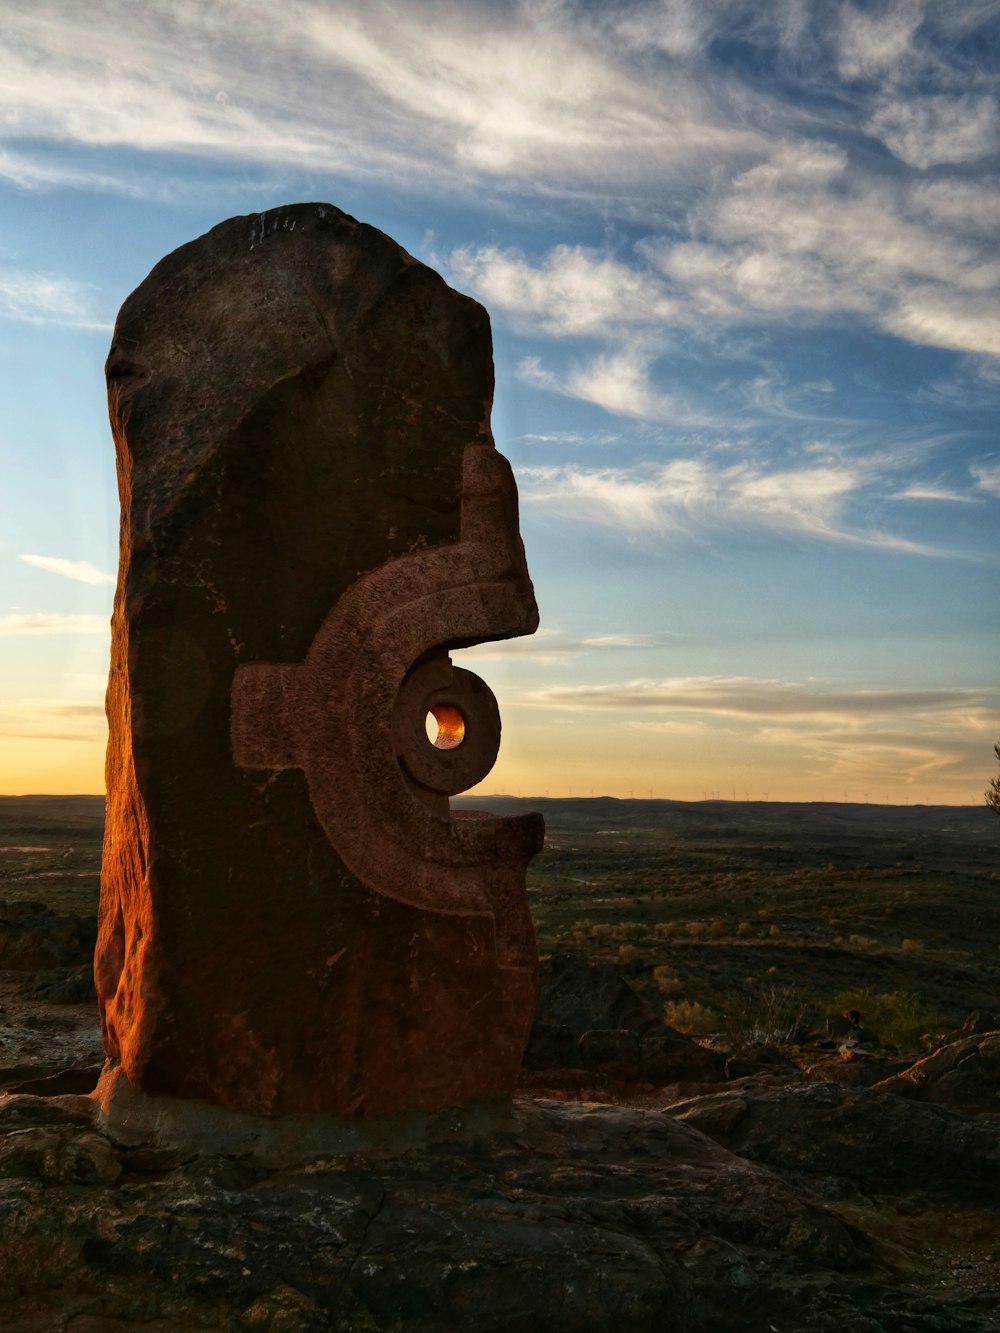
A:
[313,516]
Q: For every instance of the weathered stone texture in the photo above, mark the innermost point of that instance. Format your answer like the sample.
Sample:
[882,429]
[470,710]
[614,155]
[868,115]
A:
[574,1217]
[312,506]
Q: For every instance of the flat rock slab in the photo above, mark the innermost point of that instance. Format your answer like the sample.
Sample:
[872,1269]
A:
[845,1142]
[579,1217]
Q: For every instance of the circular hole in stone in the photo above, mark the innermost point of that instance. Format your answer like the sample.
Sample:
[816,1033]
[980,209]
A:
[445,727]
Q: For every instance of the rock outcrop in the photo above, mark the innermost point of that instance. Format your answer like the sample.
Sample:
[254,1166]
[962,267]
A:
[577,1217]
[591,1026]
[34,938]
[852,1141]
[964,1074]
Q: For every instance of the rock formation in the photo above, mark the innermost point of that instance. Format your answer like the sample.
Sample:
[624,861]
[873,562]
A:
[575,1217]
[591,1030]
[313,515]
[963,1073]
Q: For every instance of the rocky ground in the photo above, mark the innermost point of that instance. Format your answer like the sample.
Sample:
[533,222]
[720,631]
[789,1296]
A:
[639,1181]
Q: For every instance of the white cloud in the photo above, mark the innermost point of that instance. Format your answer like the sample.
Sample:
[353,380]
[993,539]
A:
[800,236]
[603,437]
[53,622]
[931,491]
[81,571]
[987,477]
[928,131]
[743,696]
[962,205]
[965,322]
[620,381]
[619,107]
[574,290]
[686,494]
[33,173]
[879,42]
[41,298]
[485,91]
[679,28]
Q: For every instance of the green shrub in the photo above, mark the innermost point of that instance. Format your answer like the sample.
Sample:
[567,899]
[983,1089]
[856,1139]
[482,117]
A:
[630,930]
[899,1017]
[691,1017]
[667,980]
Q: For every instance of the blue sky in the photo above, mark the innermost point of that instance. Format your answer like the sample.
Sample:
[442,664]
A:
[742,265]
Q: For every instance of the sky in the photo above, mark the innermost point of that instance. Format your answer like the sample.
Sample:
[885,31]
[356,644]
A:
[742,267]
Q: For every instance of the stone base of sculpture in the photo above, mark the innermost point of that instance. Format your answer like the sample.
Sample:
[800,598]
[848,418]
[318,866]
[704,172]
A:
[133,1119]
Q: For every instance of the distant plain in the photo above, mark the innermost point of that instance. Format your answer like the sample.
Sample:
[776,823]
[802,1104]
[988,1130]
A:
[727,899]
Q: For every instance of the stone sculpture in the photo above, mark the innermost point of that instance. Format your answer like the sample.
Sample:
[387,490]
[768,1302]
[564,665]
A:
[313,515]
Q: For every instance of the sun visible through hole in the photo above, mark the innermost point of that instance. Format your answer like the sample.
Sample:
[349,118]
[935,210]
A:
[445,727]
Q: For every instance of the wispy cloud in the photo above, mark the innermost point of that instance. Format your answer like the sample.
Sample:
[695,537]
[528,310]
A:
[52,622]
[802,236]
[622,108]
[34,173]
[834,734]
[624,101]
[934,129]
[338,86]
[604,437]
[738,696]
[679,497]
[987,477]
[968,206]
[52,719]
[81,571]
[932,491]
[873,44]
[573,290]
[45,298]
[550,647]
[620,381]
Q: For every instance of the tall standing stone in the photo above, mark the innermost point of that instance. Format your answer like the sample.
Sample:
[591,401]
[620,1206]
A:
[313,514]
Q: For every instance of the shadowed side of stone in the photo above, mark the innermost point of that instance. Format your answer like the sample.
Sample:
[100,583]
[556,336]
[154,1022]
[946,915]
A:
[294,400]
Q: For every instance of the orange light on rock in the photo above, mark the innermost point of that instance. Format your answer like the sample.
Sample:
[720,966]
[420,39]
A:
[445,727]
